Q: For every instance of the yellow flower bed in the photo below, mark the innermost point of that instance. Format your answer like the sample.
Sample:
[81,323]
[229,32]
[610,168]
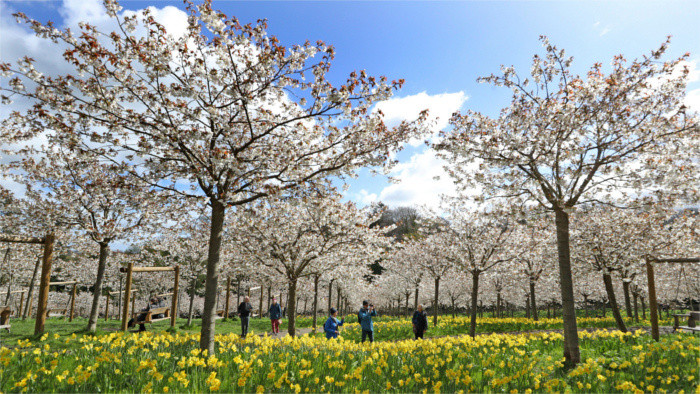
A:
[163,362]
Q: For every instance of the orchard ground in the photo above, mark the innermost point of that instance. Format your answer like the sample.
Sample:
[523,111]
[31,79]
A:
[509,355]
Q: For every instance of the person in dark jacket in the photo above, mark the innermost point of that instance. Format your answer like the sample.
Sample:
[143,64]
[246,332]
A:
[420,322]
[275,314]
[365,318]
[153,302]
[244,312]
[332,324]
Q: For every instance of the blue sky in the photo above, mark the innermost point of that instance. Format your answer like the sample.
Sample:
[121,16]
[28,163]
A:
[440,48]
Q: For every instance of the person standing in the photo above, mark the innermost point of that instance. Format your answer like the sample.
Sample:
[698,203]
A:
[275,314]
[420,322]
[332,324]
[244,312]
[365,317]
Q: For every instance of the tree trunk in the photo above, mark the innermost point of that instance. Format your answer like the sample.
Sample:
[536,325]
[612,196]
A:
[437,292]
[572,353]
[30,294]
[269,297]
[330,295]
[408,294]
[626,293]
[340,301]
[316,278]
[644,309]
[499,312]
[284,308]
[206,341]
[262,296]
[306,303]
[475,294]
[190,312]
[636,307]
[415,299]
[97,290]
[605,303]
[613,303]
[527,306]
[238,292]
[533,300]
[585,304]
[292,307]
[453,307]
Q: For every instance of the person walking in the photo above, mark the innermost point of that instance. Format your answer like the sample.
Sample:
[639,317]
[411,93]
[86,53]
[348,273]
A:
[420,322]
[275,314]
[244,312]
[332,324]
[365,318]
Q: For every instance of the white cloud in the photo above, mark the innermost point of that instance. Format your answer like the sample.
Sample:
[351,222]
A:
[365,198]
[416,184]
[692,100]
[440,108]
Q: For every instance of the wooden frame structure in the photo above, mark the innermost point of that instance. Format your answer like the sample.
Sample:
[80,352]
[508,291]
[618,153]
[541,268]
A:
[21,300]
[653,303]
[111,295]
[48,243]
[129,270]
[70,309]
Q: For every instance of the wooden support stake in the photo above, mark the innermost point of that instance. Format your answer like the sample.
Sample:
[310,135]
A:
[653,305]
[228,294]
[127,294]
[21,304]
[262,294]
[173,308]
[72,301]
[44,284]
[107,306]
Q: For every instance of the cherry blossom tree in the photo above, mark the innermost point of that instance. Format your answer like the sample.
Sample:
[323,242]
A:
[105,207]
[224,113]
[432,257]
[479,242]
[534,240]
[403,262]
[566,139]
[297,237]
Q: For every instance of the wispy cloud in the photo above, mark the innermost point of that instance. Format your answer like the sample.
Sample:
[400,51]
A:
[602,30]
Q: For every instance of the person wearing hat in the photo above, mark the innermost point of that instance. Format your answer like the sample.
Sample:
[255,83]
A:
[332,324]
[275,314]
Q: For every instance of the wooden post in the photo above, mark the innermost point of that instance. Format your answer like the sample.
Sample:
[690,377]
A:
[127,294]
[262,295]
[173,308]
[72,301]
[28,309]
[238,292]
[44,284]
[227,304]
[653,305]
[21,303]
[107,307]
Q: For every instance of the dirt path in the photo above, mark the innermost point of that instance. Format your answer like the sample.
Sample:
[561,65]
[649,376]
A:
[282,334]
